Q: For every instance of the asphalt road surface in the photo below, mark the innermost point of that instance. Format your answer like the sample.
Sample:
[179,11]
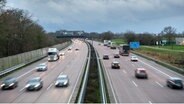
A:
[128,89]
[70,64]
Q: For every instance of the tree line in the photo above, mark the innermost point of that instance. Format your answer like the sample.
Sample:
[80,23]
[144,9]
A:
[168,33]
[19,33]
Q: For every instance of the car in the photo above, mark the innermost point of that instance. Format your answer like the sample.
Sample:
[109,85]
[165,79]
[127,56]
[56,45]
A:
[175,82]
[70,48]
[105,57]
[41,67]
[76,49]
[115,65]
[62,53]
[113,47]
[134,58]
[34,84]
[141,73]
[9,83]
[116,55]
[62,81]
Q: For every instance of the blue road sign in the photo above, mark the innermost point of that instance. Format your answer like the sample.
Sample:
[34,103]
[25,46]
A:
[134,45]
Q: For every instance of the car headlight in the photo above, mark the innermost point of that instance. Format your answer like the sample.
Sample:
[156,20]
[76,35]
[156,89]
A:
[36,85]
[65,82]
[27,85]
[11,84]
[56,83]
[2,85]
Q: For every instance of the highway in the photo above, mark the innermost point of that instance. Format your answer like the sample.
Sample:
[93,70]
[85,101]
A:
[70,64]
[128,89]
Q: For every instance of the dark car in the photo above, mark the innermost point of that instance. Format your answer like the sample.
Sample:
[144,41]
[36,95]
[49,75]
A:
[34,84]
[105,57]
[141,73]
[9,83]
[174,82]
[113,47]
[115,65]
[62,81]
[116,55]
[77,49]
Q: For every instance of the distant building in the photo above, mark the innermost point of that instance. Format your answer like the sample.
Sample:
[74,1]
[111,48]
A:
[179,41]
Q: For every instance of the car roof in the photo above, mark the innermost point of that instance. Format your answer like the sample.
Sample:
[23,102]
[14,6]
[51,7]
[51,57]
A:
[62,76]
[133,56]
[35,78]
[115,62]
[105,54]
[42,64]
[141,69]
[175,78]
[10,79]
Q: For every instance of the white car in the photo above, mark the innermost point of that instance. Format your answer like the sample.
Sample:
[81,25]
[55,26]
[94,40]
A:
[62,53]
[134,58]
[41,67]
[62,81]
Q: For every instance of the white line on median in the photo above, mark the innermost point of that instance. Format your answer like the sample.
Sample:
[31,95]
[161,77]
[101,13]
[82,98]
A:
[134,83]
[50,86]
[159,84]
[155,69]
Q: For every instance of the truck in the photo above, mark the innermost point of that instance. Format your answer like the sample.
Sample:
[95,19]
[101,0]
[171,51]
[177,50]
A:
[113,45]
[105,42]
[124,50]
[53,54]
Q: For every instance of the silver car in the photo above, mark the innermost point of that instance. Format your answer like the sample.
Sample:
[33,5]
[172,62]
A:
[62,81]
[34,84]
[41,67]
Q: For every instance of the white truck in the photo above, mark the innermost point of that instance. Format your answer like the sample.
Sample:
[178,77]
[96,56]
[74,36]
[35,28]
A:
[53,54]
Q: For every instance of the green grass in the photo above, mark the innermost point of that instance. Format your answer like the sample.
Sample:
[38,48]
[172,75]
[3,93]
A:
[119,41]
[174,47]
[175,58]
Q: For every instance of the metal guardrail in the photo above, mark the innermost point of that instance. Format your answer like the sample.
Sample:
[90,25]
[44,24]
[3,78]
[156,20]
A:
[11,69]
[102,83]
[103,92]
[85,80]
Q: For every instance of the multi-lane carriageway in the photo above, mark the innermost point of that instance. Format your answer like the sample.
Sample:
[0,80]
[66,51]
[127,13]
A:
[125,87]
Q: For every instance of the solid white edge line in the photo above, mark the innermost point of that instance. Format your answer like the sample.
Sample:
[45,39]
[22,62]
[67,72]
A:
[134,83]
[110,84]
[155,69]
[159,84]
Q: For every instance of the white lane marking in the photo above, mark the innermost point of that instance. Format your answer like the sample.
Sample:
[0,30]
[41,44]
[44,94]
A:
[134,83]
[25,73]
[149,102]
[22,89]
[159,84]
[155,69]
[61,73]
[113,92]
[50,86]
[124,71]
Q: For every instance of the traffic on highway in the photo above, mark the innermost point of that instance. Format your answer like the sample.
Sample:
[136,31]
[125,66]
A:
[132,79]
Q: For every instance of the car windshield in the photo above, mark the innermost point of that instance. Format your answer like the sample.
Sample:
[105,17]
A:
[9,80]
[142,71]
[62,78]
[51,53]
[33,81]
[178,81]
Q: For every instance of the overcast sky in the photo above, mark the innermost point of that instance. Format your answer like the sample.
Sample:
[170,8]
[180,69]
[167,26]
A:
[103,15]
